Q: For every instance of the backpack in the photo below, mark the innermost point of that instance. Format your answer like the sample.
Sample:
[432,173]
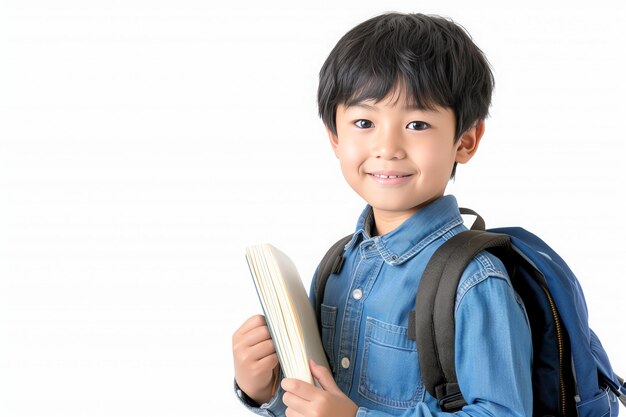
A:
[571,373]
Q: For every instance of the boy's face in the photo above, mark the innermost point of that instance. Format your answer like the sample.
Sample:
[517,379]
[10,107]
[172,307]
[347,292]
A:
[397,157]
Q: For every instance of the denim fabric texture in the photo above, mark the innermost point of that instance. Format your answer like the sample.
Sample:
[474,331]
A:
[365,324]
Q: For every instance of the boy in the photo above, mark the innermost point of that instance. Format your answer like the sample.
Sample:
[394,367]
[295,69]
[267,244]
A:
[403,98]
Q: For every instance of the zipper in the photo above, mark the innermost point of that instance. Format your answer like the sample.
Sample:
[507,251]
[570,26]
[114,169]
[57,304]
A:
[559,339]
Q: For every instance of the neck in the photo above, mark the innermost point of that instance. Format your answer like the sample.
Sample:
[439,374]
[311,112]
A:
[386,221]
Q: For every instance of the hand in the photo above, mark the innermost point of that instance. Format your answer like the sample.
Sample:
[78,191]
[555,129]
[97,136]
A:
[256,363]
[305,400]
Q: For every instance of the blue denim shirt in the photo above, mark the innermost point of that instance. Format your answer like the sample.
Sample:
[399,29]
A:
[365,323]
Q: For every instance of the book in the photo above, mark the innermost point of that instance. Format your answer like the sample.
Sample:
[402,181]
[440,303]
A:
[288,311]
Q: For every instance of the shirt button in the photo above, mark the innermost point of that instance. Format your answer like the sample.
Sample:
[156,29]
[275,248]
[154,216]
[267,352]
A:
[345,363]
[357,294]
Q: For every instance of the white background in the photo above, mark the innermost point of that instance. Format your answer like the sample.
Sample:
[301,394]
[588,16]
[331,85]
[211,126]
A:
[144,144]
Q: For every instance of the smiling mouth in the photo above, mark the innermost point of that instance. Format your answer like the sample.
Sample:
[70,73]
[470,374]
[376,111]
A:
[389,176]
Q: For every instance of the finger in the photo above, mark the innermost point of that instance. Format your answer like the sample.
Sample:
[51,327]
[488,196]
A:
[323,376]
[293,413]
[252,337]
[249,354]
[269,361]
[252,323]
[296,404]
[302,389]
[256,336]
[262,349]
[261,356]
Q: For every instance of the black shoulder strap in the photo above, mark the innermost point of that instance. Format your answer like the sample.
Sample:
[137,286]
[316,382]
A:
[331,264]
[434,312]
[479,222]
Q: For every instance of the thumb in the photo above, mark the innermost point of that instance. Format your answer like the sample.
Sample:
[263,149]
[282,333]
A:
[323,376]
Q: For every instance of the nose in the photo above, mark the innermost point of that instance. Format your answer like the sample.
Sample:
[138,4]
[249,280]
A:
[387,144]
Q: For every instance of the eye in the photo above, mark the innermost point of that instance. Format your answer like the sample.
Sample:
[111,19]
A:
[364,124]
[417,125]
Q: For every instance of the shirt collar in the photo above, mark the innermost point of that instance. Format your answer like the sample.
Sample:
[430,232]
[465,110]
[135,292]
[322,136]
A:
[408,239]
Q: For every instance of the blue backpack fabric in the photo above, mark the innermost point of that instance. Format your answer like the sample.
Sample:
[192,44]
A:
[595,385]
[572,375]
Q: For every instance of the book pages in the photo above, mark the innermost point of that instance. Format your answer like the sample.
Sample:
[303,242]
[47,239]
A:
[288,311]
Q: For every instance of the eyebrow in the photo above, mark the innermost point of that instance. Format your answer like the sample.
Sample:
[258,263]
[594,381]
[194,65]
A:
[363,105]
[374,108]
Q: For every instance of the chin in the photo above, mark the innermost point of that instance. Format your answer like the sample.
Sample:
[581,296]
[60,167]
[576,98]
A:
[395,208]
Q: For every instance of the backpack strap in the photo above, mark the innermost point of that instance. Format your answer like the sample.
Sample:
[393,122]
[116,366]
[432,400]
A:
[331,263]
[434,305]
[479,222]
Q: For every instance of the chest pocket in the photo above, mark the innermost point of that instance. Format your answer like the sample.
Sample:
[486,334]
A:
[390,371]
[329,318]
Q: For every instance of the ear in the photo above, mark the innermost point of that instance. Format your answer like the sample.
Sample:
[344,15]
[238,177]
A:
[334,140]
[469,141]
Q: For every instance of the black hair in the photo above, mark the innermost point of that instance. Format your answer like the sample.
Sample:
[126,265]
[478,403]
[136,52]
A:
[432,57]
